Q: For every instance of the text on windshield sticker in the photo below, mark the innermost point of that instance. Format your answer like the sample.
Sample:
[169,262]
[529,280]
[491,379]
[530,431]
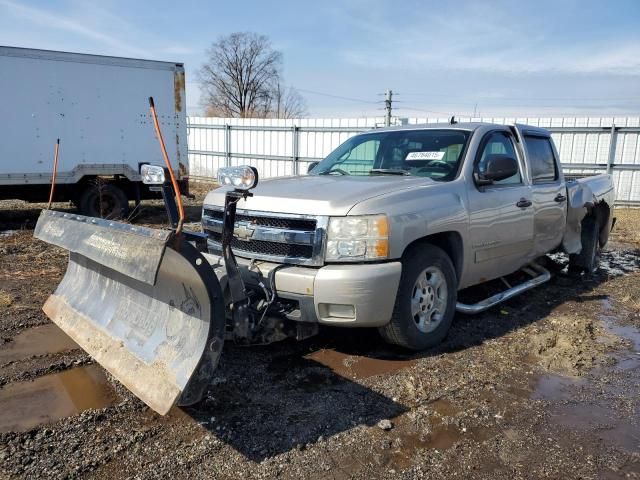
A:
[425,156]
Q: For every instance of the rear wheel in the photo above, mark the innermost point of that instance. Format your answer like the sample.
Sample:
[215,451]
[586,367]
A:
[426,300]
[588,260]
[104,201]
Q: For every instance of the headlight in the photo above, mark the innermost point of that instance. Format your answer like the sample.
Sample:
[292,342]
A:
[241,178]
[152,174]
[357,238]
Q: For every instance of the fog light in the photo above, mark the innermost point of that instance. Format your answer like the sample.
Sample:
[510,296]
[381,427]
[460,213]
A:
[337,310]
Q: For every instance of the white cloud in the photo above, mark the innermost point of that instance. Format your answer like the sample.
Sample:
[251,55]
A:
[85,28]
[485,39]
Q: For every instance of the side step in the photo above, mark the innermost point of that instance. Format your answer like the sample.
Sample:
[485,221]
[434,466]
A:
[539,276]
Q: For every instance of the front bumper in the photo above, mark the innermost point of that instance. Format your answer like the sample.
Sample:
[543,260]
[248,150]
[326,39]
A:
[361,295]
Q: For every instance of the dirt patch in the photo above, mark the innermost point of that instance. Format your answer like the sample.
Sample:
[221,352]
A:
[545,386]
[572,345]
[626,227]
[6,299]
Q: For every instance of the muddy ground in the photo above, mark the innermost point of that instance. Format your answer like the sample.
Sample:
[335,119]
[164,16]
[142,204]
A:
[545,386]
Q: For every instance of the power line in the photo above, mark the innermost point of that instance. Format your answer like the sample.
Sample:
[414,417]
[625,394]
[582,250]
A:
[435,111]
[350,99]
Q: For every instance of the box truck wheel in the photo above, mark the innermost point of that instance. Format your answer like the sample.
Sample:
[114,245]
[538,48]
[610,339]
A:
[426,299]
[104,201]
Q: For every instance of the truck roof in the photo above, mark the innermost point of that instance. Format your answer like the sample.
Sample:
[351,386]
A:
[467,126]
[87,58]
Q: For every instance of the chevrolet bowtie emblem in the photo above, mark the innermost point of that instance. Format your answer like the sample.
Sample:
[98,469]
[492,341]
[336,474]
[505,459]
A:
[244,230]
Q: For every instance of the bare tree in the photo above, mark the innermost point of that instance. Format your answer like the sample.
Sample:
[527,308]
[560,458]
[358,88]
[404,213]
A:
[287,102]
[242,79]
[240,74]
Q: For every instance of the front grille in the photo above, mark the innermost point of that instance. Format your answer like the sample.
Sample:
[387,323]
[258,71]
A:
[275,222]
[288,238]
[260,247]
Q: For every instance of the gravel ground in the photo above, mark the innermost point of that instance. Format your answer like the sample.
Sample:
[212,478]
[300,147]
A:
[545,386]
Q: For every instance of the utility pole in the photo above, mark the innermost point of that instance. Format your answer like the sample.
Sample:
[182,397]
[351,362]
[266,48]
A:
[387,103]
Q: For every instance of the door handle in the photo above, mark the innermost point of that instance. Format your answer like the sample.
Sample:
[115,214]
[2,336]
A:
[560,198]
[523,203]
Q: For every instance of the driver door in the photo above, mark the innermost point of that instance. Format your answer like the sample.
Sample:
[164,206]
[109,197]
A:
[500,215]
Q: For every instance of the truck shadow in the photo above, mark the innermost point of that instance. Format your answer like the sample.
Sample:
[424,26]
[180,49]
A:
[272,399]
[269,400]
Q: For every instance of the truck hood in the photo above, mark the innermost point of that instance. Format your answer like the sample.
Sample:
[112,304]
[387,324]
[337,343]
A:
[316,194]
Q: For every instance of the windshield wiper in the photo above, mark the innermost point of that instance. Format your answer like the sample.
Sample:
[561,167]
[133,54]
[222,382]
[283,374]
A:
[388,171]
[334,170]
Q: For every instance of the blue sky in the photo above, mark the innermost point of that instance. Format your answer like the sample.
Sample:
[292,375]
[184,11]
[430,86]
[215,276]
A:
[562,57]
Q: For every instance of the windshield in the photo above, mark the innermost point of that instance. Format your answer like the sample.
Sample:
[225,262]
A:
[422,153]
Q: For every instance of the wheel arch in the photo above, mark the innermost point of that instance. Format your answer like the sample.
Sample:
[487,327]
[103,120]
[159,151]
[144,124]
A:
[601,213]
[449,241]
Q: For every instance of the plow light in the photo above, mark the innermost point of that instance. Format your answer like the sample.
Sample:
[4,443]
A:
[152,174]
[241,178]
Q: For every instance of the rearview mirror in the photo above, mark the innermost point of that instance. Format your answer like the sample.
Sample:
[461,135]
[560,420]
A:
[311,166]
[497,167]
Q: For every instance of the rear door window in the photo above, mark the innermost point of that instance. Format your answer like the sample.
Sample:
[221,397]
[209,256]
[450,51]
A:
[541,159]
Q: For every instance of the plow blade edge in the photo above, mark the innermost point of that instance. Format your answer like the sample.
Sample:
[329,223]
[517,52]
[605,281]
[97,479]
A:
[145,304]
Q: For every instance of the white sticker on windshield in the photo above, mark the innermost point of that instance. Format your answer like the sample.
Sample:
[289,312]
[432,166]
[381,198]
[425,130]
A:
[425,156]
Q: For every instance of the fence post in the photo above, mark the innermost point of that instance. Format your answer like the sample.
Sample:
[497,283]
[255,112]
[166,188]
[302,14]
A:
[227,145]
[295,151]
[612,148]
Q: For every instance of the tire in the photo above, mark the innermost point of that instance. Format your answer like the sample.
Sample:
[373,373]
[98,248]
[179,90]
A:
[588,260]
[104,201]
[409,328]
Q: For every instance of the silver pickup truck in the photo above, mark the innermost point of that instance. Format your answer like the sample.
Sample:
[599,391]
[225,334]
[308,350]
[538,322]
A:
[392,224]
[384,233]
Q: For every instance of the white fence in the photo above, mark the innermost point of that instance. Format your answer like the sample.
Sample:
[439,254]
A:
[285,147]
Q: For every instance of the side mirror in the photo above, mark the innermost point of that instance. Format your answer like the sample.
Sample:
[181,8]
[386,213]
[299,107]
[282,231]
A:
[498,167]
[311,166]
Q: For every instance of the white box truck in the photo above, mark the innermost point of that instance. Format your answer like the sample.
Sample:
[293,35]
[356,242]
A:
[98,107]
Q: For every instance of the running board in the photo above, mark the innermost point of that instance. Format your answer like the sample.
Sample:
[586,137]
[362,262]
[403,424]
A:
[540,275]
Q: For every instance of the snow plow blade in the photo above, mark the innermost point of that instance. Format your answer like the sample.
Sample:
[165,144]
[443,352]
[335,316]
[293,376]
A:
[143,303]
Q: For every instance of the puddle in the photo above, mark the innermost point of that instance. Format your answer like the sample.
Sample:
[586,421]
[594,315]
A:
[356,366]
[580,404]
[629,359]
[442,436]
[555,388]
[26,405]
[613,262]
[36,341]
[7,233]
[619,262]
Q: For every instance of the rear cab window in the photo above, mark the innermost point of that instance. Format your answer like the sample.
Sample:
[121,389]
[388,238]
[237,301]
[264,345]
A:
[542,161]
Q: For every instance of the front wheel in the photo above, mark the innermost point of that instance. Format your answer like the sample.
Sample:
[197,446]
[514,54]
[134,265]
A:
[426,299]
